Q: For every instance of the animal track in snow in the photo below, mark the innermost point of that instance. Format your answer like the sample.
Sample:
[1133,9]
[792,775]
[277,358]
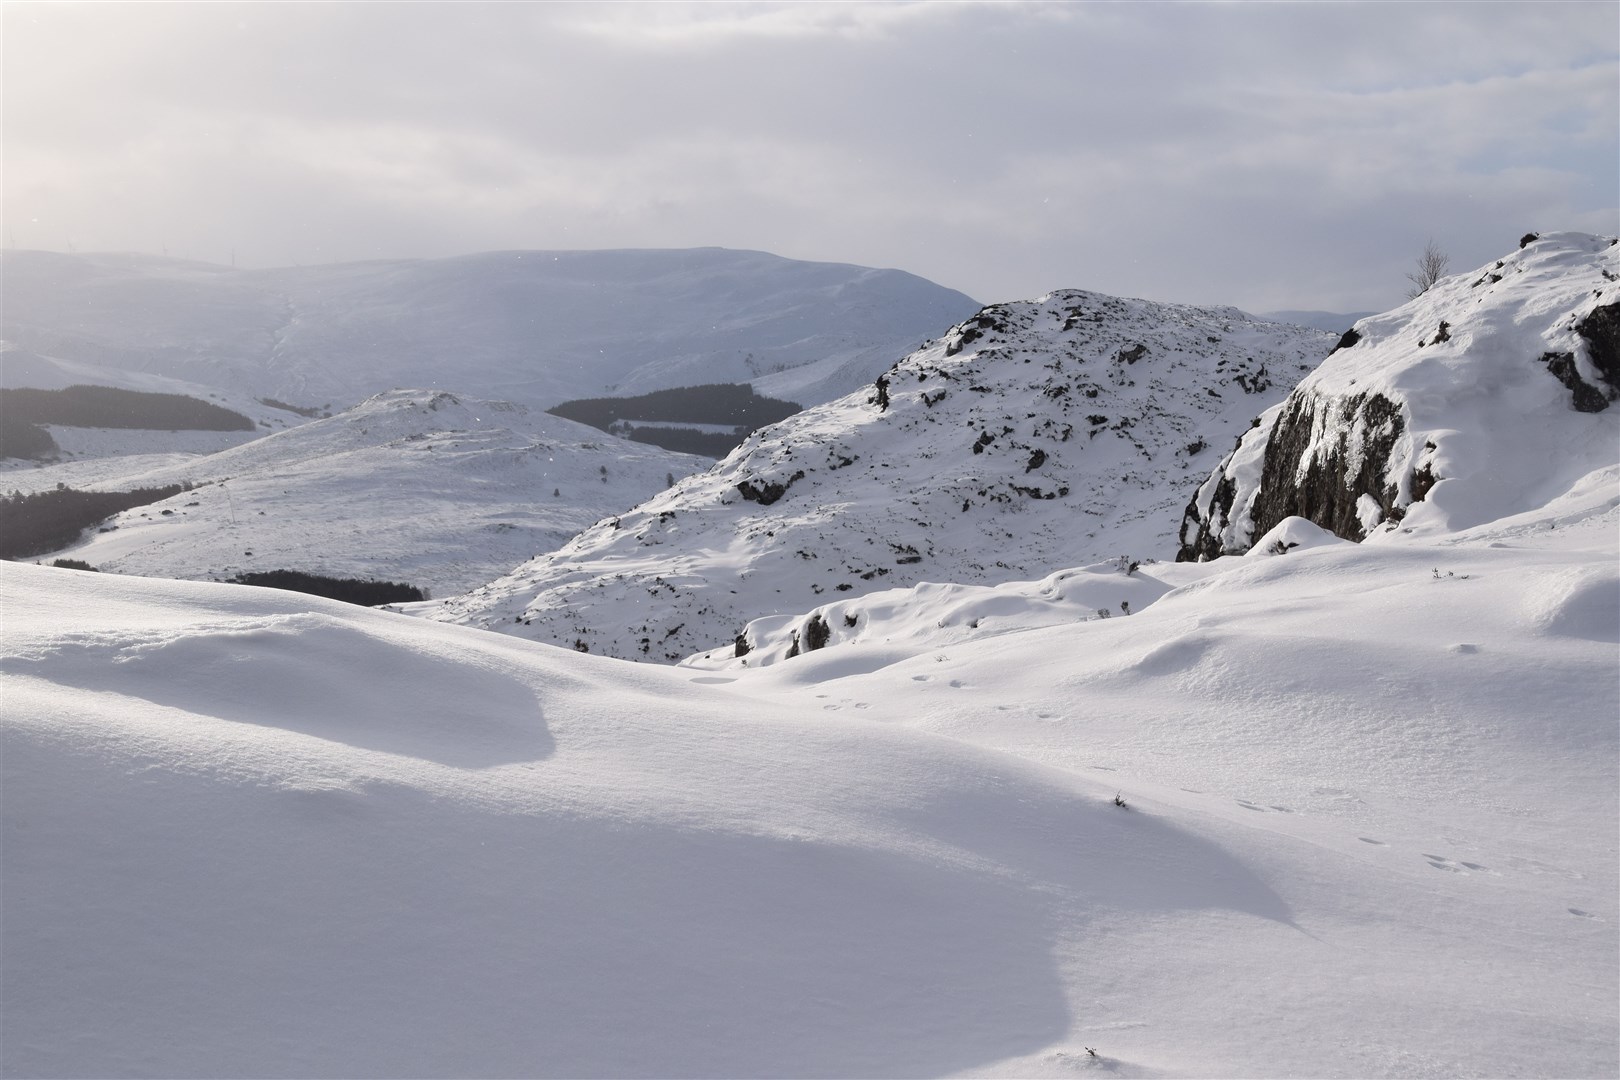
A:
[1454,866]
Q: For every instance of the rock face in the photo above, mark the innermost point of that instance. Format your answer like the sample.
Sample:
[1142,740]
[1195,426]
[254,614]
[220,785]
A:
[1491,390]
[1032,437]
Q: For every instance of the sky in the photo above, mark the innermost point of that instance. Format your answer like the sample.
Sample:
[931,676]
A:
[1270,156]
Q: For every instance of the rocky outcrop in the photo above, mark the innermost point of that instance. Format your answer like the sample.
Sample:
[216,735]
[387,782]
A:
[1594,389]
[1452,391]
[1326,458]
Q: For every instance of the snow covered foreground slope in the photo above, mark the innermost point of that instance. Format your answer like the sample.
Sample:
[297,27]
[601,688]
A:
[533,327]
[1370,832]
[1034,436]
[423,487]
[1485,396]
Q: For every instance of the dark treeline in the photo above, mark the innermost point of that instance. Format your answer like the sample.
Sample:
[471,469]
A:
[350,590]
[24,440]
[311,411]
[685,440]
[734,404]
[109,407]
[50,520]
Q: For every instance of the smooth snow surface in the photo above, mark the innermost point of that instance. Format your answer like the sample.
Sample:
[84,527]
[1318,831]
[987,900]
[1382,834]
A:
[422,487]
[532,327]
[1033,437]
[1371,831]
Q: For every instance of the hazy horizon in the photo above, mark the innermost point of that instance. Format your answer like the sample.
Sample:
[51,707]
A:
[1270,157]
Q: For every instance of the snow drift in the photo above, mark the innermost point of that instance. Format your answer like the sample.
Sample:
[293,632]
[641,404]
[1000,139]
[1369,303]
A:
[1368,830]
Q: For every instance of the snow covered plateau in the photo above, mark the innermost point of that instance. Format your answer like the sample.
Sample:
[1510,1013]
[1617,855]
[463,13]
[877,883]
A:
[1335,795]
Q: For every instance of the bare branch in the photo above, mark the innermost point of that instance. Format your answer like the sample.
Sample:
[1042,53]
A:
[1431,267]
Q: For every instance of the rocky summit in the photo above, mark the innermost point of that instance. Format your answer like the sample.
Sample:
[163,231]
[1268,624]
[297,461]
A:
[1031,437]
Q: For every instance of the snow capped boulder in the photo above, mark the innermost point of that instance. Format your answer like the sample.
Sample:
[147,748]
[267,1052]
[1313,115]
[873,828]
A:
[1034,436]
[1293,534]
[1484,397]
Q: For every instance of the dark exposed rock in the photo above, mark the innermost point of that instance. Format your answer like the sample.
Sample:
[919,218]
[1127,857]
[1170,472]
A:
[1037,493]
[768,492]
[1601,331]
[1351,336]
[1586,397]
[881,398]
[742,648]
[816,633]
[1325,490]
[1527,239]
[1201,535]
[974,329]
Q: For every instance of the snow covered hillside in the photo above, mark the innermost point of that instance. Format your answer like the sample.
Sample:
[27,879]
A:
[426,488]
[533,327]
[1369,830]
[1485,396]
[1034,436]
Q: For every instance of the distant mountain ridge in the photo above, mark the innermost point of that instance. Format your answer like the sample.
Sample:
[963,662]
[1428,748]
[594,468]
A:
[1337,322]
[532,327]
[1034,436]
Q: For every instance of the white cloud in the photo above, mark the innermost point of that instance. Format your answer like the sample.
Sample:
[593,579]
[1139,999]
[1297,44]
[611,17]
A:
[1002,149]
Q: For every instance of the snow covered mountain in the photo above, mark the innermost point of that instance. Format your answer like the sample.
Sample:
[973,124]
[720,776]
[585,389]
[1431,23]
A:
[427,488]
[1334,321]
[1368,829]
[1033,436]
[1484,397]
[532,327]
[1324,809]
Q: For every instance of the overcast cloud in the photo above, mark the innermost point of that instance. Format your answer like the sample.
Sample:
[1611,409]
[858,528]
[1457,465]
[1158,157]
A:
[1269,156]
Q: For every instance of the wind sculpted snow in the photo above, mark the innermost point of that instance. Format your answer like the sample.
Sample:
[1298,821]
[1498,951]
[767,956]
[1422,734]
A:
[1367,829]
